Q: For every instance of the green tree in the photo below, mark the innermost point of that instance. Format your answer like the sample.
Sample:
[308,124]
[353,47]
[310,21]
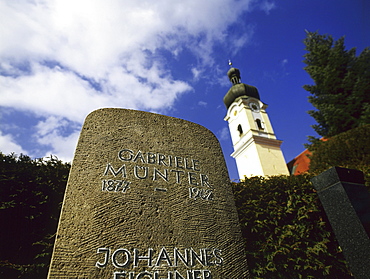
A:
[348,150]
[286,232]
[341,93]
[31,192]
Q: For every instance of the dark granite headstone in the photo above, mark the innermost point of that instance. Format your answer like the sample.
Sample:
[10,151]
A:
[346,201]
[148,197]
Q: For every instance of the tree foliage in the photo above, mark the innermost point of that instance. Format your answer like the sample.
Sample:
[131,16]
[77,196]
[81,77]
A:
[31,192]
[348,150]
[286,230]
[341,93]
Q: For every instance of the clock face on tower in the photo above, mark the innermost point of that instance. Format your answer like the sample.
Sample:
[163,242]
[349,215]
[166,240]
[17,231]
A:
[254,106]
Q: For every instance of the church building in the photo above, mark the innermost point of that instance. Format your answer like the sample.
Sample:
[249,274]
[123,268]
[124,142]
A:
[256,150]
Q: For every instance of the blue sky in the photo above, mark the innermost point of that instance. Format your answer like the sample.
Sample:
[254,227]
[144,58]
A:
[61,59]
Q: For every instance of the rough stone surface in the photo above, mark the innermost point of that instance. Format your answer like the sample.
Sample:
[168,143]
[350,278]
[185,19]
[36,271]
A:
[178,201]
[347,204]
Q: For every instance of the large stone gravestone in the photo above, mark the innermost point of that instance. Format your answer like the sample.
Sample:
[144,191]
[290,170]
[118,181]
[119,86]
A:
[148,196]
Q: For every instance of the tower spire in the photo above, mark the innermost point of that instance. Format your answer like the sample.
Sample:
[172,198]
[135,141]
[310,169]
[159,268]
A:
[233,74]
[238,89]
[256,149]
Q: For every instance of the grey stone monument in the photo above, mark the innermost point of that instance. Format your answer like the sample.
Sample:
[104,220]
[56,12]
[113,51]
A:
[148,197]
[347,204]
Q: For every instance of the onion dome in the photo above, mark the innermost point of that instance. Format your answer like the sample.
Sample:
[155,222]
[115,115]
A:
[234,75]
[238,89]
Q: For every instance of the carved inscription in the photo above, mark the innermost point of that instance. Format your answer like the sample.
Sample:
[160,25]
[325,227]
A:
[156,166]
[205,194]
[111,185]
[130,259]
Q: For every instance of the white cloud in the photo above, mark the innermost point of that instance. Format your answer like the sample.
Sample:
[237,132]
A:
[196,73]
[92,36]
[50,91]
[112,44]
[202,103]
[47,127]
[54,91]
[65,58]
[53,133]
[224,134]
[9,145]
[267,6]
[62,146]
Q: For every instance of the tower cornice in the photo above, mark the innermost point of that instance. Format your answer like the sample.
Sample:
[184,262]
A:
[268,142]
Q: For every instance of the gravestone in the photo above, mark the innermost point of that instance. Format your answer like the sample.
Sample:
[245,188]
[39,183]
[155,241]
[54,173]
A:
[149,197]
[346,202]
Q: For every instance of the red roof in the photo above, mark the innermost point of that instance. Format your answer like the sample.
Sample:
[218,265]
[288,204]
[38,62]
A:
[300,164]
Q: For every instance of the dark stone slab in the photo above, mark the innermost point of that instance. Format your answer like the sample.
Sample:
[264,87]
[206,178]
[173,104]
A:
[148,197]
[347,204]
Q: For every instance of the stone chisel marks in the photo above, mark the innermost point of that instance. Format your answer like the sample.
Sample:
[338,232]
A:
[148,196]
[160,189]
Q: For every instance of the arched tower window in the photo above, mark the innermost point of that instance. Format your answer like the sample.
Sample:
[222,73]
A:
[240,129]
[235,80]
[259,124]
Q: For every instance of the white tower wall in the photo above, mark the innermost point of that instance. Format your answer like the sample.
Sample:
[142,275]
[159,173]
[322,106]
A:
[256,150]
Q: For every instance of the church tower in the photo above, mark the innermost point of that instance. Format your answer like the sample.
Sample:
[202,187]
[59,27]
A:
[256,150]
